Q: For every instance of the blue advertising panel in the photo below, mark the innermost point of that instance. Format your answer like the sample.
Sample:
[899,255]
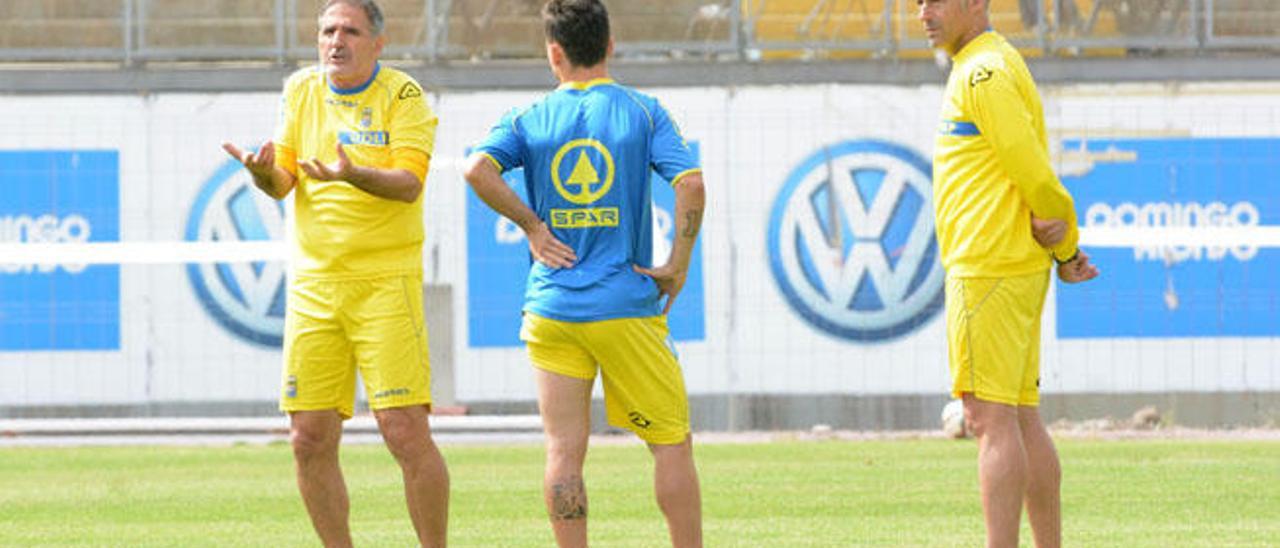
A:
[59,196]
[1165,290]
[498,262]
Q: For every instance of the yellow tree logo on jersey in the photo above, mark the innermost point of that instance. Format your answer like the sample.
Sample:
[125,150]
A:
[585,184]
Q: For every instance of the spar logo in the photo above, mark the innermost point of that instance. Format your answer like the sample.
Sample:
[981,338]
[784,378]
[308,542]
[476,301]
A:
[246,298]
[851,241]
[583,154]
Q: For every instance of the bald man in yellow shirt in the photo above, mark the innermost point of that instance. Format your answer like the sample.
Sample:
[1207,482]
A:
[1003,220]
[353,145]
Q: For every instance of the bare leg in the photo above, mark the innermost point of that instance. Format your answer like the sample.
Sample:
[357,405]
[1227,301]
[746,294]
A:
[426,480]
[1044,506]
[565,404]
[675,482]
[1002,467]
[315,436]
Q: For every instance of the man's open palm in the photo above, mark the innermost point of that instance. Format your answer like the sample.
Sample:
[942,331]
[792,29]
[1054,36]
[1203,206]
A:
[337,171]
[259,163]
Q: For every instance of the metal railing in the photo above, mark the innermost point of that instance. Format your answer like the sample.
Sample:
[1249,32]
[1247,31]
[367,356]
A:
[143,31]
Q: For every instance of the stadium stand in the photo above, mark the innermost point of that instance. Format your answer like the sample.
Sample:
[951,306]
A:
[240,30]
[64,24]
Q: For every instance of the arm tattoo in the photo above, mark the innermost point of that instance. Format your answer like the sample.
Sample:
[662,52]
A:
[568,499]
[693,221]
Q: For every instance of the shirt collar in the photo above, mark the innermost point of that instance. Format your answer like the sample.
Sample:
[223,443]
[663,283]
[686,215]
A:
[583,86]
[377,67]
[975,44]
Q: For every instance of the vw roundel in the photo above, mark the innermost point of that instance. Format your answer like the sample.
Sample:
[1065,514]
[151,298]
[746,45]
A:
[247,299]
[851,241]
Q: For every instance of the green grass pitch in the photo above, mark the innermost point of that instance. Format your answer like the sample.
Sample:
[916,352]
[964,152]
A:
[793,493]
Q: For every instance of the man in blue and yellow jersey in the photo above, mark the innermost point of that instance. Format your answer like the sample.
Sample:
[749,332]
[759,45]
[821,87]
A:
[1003,220]
[353,143]
[593,302]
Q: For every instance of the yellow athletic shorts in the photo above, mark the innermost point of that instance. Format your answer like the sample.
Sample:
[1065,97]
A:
[643,384]
[993,336]
[334,327]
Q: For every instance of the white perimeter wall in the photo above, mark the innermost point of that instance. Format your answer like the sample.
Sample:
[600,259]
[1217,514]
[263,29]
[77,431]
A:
[751,138]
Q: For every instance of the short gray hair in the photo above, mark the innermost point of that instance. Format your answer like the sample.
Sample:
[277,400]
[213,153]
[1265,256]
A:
[371,11]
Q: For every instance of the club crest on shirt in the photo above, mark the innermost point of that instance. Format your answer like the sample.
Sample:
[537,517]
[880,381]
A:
[409,90]
[979,75]
[366,117]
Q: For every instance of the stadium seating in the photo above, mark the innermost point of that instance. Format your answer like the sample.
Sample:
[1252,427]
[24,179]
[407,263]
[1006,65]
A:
[786,29]
[60,24]
[1246,18]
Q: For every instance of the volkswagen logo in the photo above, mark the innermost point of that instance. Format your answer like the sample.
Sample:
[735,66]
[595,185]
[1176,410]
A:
[246,298]
[851,241]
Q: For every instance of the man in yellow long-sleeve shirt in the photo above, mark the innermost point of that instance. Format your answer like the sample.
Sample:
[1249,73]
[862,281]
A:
[353,145]
[1003,219]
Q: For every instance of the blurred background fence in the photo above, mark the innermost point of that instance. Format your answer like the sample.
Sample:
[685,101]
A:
[131,32]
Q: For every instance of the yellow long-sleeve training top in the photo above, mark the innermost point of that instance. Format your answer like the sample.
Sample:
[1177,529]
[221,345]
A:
[340,231]
[991,167]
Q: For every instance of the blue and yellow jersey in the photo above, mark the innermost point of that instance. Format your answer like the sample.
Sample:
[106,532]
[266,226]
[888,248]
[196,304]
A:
[587,150]
[341,231]
[991,167]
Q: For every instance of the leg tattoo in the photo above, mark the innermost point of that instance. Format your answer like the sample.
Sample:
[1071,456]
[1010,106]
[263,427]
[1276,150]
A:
[569,499]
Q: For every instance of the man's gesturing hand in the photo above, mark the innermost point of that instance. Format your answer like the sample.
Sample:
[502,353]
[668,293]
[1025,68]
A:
[340,170]
[260,164]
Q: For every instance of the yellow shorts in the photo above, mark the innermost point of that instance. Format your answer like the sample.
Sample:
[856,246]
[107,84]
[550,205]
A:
[993,336]
[334,327]
[643,384]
